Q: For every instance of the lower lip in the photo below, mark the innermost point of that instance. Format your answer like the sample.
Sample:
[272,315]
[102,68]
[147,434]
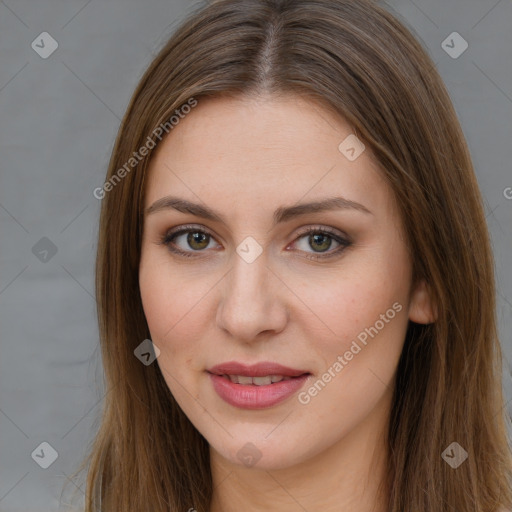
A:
[256,397]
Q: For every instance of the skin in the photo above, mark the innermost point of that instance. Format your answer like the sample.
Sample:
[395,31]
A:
[246,157]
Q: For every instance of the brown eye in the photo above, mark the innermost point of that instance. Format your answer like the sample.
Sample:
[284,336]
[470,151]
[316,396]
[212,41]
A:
[316,241]
[187,240]
[196,240]
[321,241]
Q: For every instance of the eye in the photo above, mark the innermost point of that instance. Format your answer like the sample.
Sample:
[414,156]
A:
[320,239]
[191,238]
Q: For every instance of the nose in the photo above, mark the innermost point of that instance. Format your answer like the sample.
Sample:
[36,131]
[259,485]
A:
[252,306]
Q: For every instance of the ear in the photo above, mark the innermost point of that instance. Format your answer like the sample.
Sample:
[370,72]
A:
[422,309]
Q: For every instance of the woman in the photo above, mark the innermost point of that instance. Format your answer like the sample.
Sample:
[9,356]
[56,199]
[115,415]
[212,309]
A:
[294,277]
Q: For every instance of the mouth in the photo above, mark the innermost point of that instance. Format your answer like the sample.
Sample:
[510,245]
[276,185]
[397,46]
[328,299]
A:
[256,386]
[247,380]
[262,373]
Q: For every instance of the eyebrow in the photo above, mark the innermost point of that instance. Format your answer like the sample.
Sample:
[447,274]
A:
[282,214]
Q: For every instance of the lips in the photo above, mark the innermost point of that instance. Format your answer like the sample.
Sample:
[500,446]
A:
[256,386]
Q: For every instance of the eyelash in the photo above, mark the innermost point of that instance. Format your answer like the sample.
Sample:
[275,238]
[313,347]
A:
[168,237]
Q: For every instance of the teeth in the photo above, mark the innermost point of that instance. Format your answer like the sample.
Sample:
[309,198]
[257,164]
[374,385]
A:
[262,381]
[257,381]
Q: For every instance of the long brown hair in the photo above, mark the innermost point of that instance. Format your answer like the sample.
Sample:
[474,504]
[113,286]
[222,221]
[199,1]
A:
[360,62]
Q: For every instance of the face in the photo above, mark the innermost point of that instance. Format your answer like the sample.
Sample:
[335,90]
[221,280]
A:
[251,274]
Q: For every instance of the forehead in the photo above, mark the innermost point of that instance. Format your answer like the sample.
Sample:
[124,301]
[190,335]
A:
[250,152]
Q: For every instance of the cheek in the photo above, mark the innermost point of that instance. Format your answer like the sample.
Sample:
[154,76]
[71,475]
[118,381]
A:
[361,311]
[367,319]
[174,304]
[175,315]
[348,302]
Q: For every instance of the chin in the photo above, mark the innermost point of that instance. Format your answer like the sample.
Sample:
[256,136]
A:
[262,454]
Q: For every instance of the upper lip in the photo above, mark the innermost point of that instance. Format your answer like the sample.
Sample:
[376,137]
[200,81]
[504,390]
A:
[255,370]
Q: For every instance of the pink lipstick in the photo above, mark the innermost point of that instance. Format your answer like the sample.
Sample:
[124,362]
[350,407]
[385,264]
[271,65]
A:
[256,386]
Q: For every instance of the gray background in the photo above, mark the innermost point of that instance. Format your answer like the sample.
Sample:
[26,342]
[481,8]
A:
[59,117]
